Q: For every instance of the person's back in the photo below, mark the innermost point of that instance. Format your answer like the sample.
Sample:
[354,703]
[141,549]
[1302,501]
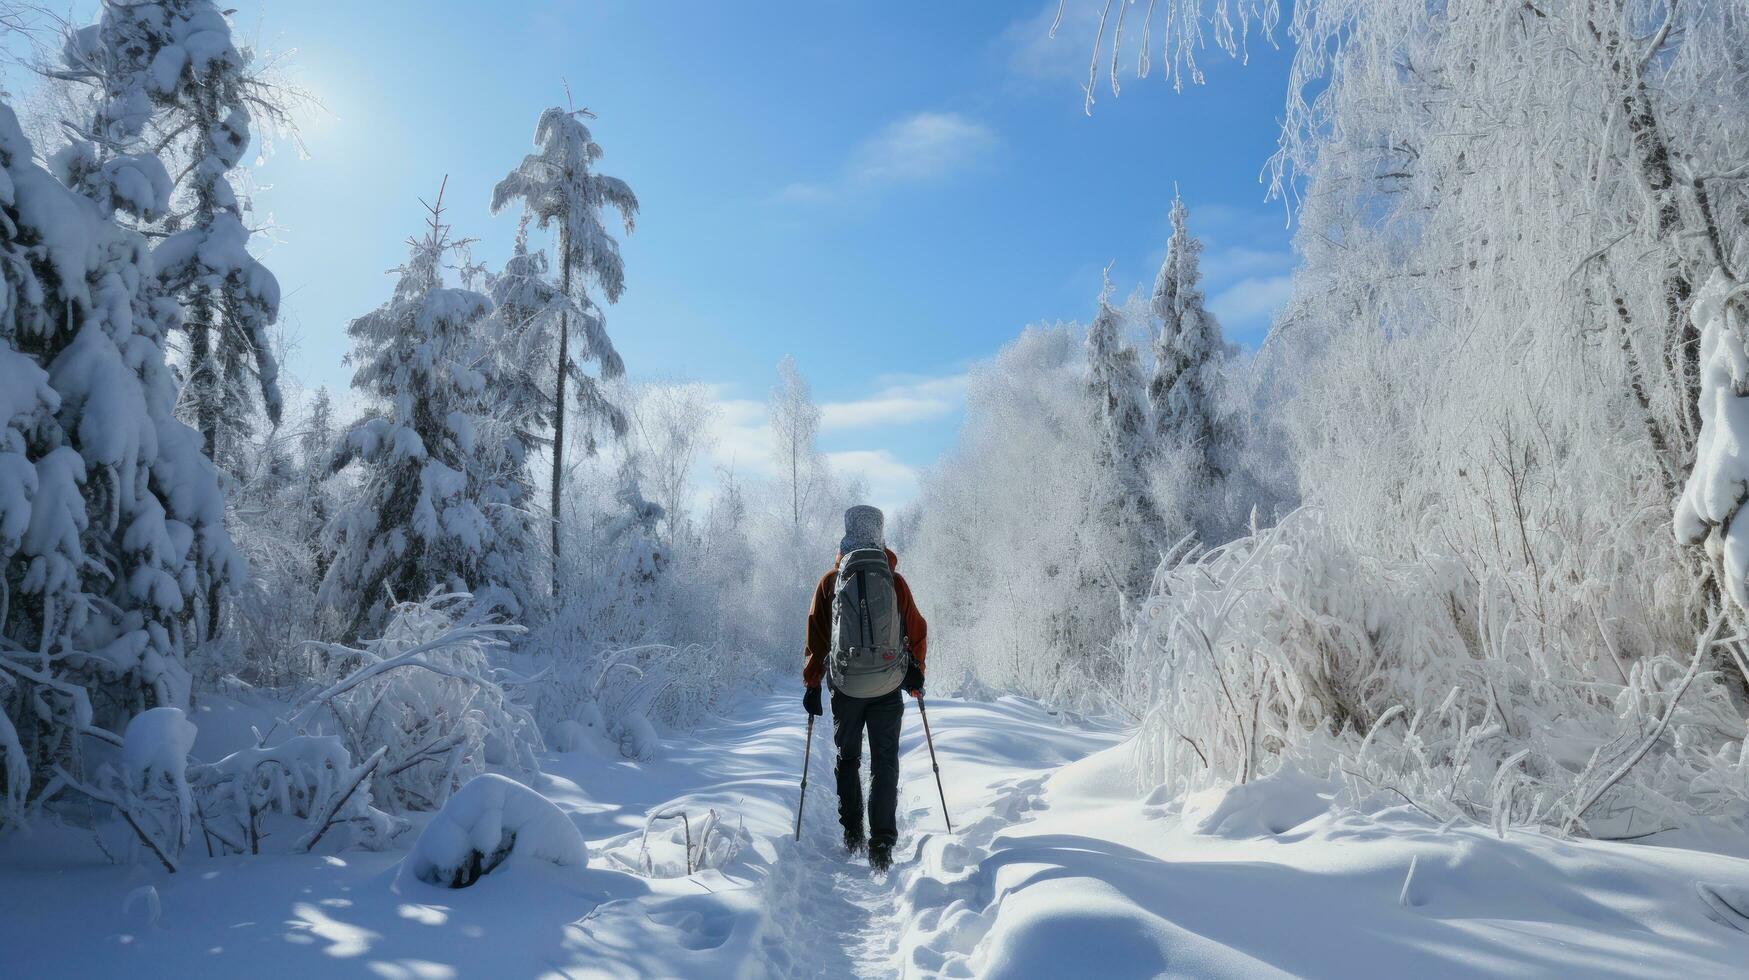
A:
[867,642]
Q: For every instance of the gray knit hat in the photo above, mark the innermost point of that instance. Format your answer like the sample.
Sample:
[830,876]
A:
[863,527]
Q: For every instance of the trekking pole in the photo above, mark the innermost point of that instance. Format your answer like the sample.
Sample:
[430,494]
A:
[933,764]
[806,753]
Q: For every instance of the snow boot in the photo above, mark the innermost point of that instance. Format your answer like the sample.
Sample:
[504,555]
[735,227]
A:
[854,841]
[880,855]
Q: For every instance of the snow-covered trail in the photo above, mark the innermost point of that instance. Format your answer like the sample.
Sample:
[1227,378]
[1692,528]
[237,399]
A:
[828,914]
[1055,867]
[778,908]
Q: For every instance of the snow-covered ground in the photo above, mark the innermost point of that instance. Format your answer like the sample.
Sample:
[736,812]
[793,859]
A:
[1056,867]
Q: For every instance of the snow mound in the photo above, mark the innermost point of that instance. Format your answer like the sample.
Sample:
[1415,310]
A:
[567,736]
[1266,807]
[637,737]
[157,740]
[491,820]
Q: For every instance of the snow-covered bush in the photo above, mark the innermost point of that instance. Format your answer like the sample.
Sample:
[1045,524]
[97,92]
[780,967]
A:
[490,821]
[1711,506]
[1415,678]
[623,694]
[308,778]
[428,693]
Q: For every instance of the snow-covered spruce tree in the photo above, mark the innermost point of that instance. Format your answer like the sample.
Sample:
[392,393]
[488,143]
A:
[1125,530]
[1188,353]
[559,188]
[440,505]
[110,516]
[168,80]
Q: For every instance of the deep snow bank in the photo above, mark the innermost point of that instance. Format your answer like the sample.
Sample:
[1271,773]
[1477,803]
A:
[1266,879]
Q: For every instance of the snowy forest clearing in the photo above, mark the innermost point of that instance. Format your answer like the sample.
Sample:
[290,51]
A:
[1055,861]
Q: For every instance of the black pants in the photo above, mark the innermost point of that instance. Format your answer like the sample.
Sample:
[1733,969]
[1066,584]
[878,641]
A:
[881,716]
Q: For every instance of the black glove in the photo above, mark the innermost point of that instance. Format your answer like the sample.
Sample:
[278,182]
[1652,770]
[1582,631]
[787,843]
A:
[811,701]
[914,681]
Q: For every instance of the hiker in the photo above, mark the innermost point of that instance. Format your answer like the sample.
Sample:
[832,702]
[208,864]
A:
[867,640]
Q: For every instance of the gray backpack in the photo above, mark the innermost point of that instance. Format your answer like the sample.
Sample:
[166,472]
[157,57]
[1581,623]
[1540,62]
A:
[869,657]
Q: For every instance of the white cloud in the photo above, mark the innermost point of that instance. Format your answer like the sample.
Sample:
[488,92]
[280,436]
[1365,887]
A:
[1249,304]
[1226,264]
[921,148]
[891,482]
[900,401]
[926,146]
[742,435]
[742,440]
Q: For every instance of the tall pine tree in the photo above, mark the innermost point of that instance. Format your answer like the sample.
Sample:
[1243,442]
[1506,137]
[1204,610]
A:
[559,188]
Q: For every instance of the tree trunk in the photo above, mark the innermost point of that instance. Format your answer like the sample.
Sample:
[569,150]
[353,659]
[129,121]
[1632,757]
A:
[559,399]
[203,378]
[1651,162]
[204,335]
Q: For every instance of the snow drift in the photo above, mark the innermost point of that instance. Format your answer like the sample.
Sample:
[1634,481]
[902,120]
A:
[490,821]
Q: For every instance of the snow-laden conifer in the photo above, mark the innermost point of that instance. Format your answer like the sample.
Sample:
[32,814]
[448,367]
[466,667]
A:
[168,80]
[111,519]
[1187,354]
[559,189]
[1124,509]
[440,503]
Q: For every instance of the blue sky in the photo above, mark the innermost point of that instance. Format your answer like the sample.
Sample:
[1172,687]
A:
[889,191]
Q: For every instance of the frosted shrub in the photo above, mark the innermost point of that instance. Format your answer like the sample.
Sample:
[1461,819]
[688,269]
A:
[1414,678]
[307,778]
[624,693]
[428,693]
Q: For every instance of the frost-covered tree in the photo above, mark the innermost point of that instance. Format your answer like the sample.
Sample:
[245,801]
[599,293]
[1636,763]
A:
[1124,514]
[669,428]
[1187,355]
[795,422]
[111,519]
[1481,323]
[167,80]
[440,505]
[1020,482]
[559,188]
[165,83]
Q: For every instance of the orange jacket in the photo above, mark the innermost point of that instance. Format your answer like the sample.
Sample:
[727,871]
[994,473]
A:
[820,623]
